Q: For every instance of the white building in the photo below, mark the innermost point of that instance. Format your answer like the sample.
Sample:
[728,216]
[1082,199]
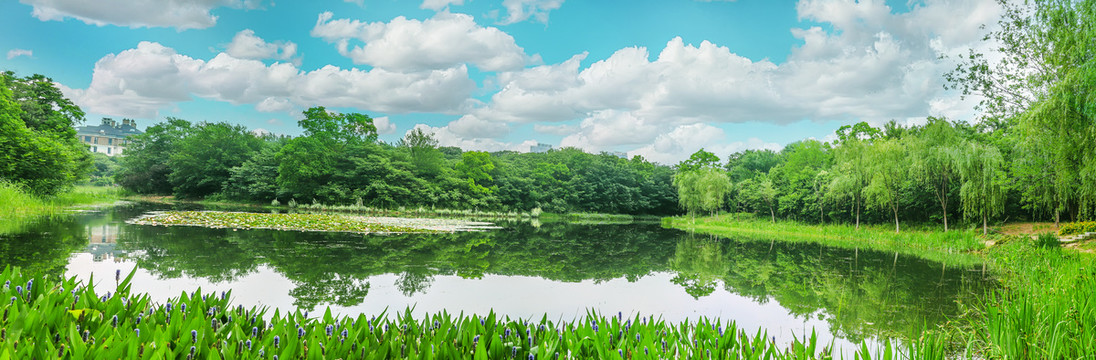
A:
[109,137]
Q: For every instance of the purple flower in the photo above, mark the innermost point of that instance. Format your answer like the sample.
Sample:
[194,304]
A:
[117,274]
[19,289]
[276,340]
[300,332]
[193,336]
[248,342]
[138,331]
[114,321]
[254,331]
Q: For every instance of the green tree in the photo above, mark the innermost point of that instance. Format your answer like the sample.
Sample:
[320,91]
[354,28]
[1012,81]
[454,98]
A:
[759,193]
[477,167]
[425,157]
[702,190]
[852,173]
[38,145]
[889,167]
[1042,78]
[202,162]
[699,160]
[933,160]
[145,168]
[982,172]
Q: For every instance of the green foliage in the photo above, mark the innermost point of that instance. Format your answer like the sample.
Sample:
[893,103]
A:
[48,322]
[1047,240]
[145,168]
[202,162]
[982,192]
[699,160]
[38,146]
[476,166]
[1075,228]
[702,190]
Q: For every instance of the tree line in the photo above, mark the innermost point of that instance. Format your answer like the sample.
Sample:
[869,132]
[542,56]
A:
[339,161]
[1031,157]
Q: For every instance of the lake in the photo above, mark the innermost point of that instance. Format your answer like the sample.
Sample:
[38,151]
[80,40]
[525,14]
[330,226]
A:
[524,270]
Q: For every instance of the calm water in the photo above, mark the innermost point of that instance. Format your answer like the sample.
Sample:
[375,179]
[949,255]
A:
[524,270]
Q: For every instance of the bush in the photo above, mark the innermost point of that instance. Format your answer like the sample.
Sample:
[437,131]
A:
[1047,240]
[1077,228]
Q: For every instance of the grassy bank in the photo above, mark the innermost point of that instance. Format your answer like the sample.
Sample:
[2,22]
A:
[957,247]
[15,203]
[1046,308]
[57,318]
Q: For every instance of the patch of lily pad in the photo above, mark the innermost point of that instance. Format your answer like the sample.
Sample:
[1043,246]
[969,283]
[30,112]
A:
[308,222]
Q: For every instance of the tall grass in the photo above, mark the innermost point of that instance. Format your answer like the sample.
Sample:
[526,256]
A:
[1047,309]
[17,203]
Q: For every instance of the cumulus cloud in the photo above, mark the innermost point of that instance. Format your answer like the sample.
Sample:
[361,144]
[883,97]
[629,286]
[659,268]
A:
[180,14]
[441,42]
[676,145]
[865,62]
[384,126]
[14,53]
[873,65]
[141,81]
[446,137]
[521,10]
[245,45]
[439,4]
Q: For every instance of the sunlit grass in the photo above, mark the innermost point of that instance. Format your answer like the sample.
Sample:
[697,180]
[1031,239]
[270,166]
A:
[956,247]
[16,204]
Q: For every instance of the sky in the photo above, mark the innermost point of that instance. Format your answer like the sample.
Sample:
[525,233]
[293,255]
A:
[655,78]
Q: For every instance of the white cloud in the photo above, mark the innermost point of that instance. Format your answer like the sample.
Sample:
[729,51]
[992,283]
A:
[521,10]
[180,14]
[676,145]
[14,53]
[437,5]
[554,129]
[873,66]
[446,137]
[245,45]
[140,82]
[384,126]
[447,40]
[610,128]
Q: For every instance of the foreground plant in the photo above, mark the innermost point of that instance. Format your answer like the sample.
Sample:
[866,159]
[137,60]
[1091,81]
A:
[46,318]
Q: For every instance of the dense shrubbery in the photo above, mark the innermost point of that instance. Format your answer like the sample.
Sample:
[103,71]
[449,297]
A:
[1075,228]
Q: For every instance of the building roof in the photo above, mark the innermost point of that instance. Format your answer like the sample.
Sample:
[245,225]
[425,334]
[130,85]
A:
[117,131]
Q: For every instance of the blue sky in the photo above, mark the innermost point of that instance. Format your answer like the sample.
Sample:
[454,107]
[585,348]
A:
[659,79]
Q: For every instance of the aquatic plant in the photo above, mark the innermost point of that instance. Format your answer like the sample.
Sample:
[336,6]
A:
[52,323]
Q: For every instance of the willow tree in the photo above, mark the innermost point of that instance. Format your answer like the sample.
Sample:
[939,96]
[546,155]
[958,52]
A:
[889,166]
[1042,78]
[704,189]
[933,160]
[853,173]
[981,170]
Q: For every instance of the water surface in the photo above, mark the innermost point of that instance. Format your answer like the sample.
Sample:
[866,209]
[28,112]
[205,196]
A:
[525,270]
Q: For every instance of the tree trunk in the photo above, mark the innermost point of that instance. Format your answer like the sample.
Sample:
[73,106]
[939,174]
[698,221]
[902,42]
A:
[857,215]
[984,230]
[773,214]
[1057,215]
[944,207]
[895,220]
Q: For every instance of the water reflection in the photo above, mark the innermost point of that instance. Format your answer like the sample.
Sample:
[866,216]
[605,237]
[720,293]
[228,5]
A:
[521,270]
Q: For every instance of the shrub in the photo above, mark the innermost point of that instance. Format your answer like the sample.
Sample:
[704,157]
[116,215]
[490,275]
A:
[1047,240]
[1077,228]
